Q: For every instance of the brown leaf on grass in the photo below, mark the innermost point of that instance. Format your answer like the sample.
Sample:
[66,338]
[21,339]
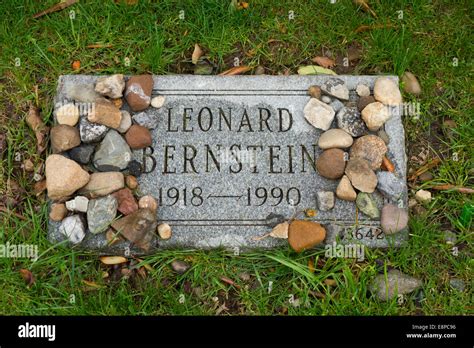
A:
[230,282]
[365,6]
[8,211]
[99,46]
[330,282]
[363,28]
[197,53]
[311,265]
[236,70]
[454,188]
[387,164]
[113,260]
[27,276]
[92,284]
[325,62]
[433,163]
[36,124]
[58,7]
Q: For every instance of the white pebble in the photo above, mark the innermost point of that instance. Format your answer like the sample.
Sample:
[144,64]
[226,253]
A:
[158,101]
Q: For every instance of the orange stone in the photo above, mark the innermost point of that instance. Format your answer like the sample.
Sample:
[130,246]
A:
[303,234]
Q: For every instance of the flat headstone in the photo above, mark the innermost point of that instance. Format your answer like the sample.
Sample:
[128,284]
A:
[234,156]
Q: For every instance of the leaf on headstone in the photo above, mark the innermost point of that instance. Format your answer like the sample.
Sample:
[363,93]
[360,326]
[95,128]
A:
[197,53]
[113,260]
[364,4]
[58,7]
[325,62]
[314,70]
[236,70]
[27,276]
[280,231]
[33,120]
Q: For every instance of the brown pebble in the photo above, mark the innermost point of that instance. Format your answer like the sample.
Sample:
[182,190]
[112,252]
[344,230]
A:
[138,137]
[131,182]
[58,211]
[315,92]
[331,163]
[164,231]
[148,202]
[28,165]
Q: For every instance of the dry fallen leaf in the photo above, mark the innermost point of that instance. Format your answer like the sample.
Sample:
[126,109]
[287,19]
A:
[27,277]
[230,282]
[236,70]
[314,70]
[92,284]
[280,230]
[365,6]
[34,121]
[58,7]
[113,260]
[372,27]
[325,62]
[454,188]
[39,187]
[197,53]
[330,282]
[387,164]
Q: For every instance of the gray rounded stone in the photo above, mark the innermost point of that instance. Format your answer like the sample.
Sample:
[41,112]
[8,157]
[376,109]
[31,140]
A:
[348,119]
[390,186]
[325,200]
[113,153]
[394,283]
[101,213]
[82,154]
[336,88]
[393,219]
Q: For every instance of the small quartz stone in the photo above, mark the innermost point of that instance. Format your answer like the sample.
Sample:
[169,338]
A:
[148,202]
[387,92]
[179,266]
[336,87]
[362,90]
[423,196]
[73,229]
[164,231]
[375,115]
[67,114]
[325,200]
[326,99]
[110,86]
[126,122]
[335,138]
[158,101]
[318,114]
[78,204]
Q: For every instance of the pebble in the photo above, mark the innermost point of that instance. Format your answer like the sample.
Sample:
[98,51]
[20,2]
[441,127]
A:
[164,231]
[101,213]
[158,101]
[326,99]
[91,132]
[83,93]
[259,70]
[305,234]
[67,114]
[146,119]
[135,168]
[148,202]
[393,219]
[362,90]
[411,84]
[125,123]
[375,115]
[364,101]
[102,184]
[138,227]
[131,182]
[58,211]
[331,163]
[28,165]
[394,283]
[179,266]
[63,177]
[138,92]
[384,136]
[423,196]
[82,154]
[457,284]
[319,114]
[78,204]
[390,185]
[64,137]
[72,227]
[138,137]
[336,88]
[336,105]
[110,86]
[113,153]
[426,176]
[314,92]
[361,176]
[370,148]
[325,200]
[344,190]
[105,113]
[387,92]
[348,119]
[367,205]
[126,202]
[335,138]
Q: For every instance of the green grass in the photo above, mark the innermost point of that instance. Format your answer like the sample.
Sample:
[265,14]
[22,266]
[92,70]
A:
[155,40]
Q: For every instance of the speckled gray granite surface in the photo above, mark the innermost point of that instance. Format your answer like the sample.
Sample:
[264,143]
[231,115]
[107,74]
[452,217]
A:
[213,199]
